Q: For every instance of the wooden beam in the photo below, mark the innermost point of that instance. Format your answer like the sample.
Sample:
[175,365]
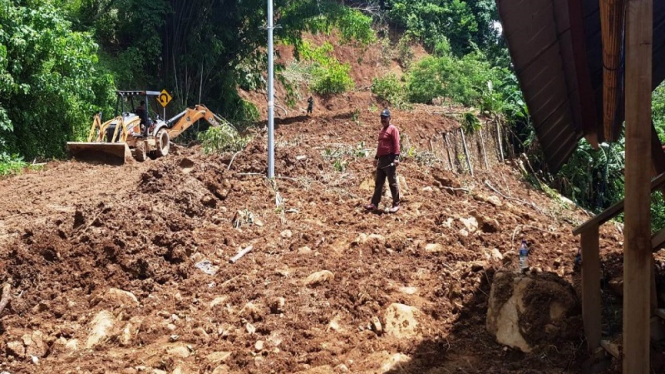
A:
[637,234]
[614,210]
[611,25]
[591,302]
[590,122]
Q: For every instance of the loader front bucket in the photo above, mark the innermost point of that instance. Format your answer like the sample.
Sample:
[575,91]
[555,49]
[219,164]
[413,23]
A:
[99,153]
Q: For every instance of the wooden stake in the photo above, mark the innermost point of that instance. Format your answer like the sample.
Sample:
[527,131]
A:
[466,152]
[637,242]
[447,146]
[498,138]
[482,144]
[591,302]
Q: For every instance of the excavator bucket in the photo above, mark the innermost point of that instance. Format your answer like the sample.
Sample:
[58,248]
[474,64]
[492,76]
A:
[99,153]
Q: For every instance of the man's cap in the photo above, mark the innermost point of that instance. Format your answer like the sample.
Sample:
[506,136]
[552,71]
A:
[385,113]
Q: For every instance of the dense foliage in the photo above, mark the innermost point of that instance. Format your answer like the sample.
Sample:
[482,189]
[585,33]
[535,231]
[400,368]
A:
[61,60]
[50,83]
[595,178]
[464,23]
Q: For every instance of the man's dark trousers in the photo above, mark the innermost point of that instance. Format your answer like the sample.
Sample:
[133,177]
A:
[383,171]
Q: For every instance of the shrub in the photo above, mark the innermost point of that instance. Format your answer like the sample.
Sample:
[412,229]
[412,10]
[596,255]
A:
[470,123]
[353,25]
[463,80]
[332,79]
[404,53]
[329,76]
[390,89]
[221,139]
[11,164]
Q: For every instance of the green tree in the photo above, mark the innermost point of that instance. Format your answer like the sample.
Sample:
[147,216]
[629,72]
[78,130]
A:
[50,82]
[464,23]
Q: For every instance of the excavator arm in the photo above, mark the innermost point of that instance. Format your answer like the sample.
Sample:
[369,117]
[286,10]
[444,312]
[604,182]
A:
[178,124]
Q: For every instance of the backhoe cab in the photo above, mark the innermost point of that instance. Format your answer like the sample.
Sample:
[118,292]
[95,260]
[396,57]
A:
[133,132]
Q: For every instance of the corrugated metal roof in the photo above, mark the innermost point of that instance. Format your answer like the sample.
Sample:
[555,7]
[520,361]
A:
[556,50]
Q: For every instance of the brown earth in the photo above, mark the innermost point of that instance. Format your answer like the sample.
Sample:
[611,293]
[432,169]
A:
[74,231]
[323,285]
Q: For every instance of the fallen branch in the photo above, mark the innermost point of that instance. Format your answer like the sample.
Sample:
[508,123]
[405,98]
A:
[237,257]
[248,175]
[6,295]
[534,206]
[456,189]
[232,158]
[512,239]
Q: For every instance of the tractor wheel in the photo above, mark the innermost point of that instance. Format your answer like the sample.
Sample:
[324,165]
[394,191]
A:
[163,141]
[139,152]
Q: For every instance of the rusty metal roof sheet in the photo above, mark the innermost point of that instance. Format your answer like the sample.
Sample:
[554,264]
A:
[556,50]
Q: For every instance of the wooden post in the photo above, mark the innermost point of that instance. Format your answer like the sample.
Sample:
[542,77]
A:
[637,242]
[498,138]
[482,144]
[654,290]
[466,152]
[447,146]
[591,302]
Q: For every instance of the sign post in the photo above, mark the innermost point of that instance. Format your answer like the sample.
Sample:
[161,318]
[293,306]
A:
[164,99]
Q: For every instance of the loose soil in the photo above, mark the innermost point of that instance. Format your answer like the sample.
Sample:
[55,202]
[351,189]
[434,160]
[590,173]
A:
[165,230]
[312,293]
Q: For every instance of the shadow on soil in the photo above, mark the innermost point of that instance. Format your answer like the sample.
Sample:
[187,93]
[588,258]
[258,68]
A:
[469,348]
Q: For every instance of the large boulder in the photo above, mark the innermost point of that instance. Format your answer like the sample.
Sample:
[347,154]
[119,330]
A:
[526,311]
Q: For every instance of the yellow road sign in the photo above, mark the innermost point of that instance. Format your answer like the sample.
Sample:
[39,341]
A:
[164,98]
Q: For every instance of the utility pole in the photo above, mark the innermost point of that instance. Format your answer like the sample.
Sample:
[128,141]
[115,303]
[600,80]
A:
[271,97]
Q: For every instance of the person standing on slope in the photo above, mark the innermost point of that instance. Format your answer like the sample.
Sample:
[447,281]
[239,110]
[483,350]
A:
[310,105]
[385,162]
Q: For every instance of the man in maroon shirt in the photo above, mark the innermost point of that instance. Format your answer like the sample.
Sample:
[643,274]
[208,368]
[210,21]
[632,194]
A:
[386,161]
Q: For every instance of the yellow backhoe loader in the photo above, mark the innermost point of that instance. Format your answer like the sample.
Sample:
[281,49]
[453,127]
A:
[133,134]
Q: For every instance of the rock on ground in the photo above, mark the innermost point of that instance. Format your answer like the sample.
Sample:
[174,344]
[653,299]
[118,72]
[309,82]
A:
[319,277]
[525,311]
[401,321]
[100,327]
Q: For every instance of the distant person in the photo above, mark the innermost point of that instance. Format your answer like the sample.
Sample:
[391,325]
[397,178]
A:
[386,162]
[310,105]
